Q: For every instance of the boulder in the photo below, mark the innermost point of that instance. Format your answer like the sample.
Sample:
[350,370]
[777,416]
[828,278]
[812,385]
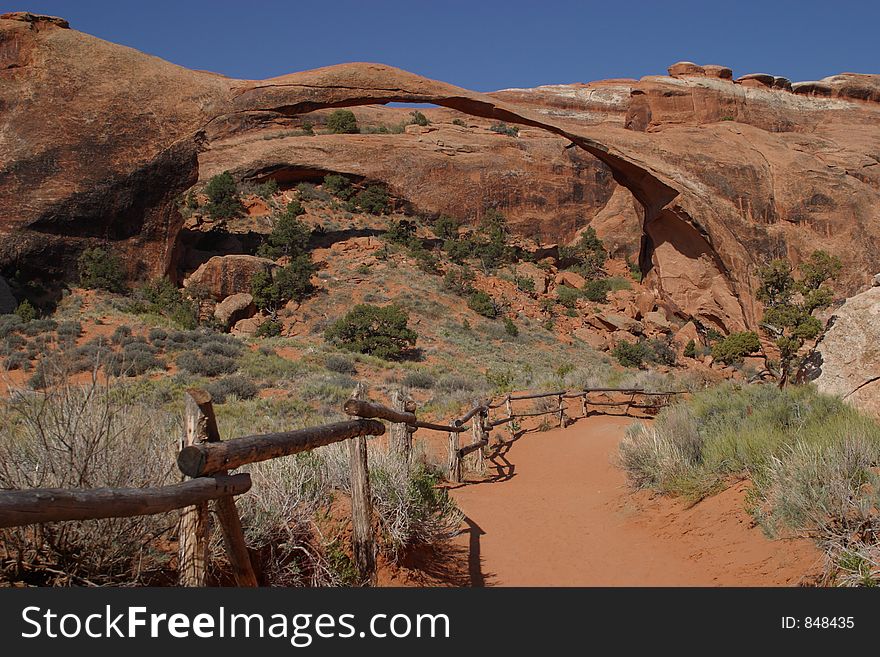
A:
[687,333]
[811,88]
[7,300]
[876,281]
[249,325]
[759,79]
[234,308]
[570,279]
[538,276]
[657,320]
[616,322]
[716,71]
[223,276]
[685,69]
[846,361]
[645,302]
[591,337]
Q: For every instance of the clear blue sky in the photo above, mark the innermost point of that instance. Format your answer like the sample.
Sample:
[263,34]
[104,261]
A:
[491,45]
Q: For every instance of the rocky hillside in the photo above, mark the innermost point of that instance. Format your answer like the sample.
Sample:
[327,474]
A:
[698,177]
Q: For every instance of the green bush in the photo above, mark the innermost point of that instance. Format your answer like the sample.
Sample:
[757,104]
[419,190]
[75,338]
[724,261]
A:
[503,129]
[342,122]
[292,282]
[587,256]
[460,281]
[419,379]
[631,354]
[339,186]
[417,118]
[26,311]
[480,302]
[597,290]
[232,386]
[162,297]
[101,270]
[567,296]
[446,227]
[524,284]
[271,328]
[459,122]
[401,231]
[373,199]
[491,246]
[690,349]
[735,347]
[206,364]
[289,236]
[340,364]
[510,328]
[223,197]
[375,330]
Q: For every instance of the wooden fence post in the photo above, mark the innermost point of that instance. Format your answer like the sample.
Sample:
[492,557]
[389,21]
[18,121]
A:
[363,541]
[400,435]
[508,406]
[454,458]
[201,426]
[193,529]
[476,436]
[561,412]
[584,404]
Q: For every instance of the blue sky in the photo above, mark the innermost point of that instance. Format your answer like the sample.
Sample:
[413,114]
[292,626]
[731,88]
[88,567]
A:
[491,45]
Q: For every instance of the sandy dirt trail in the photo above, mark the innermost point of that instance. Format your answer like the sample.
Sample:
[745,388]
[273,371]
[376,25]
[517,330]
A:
[565,517]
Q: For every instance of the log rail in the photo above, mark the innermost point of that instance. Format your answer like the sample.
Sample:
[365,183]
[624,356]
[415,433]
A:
[205,460]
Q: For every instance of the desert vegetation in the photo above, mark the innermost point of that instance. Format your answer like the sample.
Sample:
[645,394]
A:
[811,459]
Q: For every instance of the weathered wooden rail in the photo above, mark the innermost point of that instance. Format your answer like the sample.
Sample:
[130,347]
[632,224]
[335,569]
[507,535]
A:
[205,461]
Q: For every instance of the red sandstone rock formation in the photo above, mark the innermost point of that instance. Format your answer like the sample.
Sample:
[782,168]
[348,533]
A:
[725,174]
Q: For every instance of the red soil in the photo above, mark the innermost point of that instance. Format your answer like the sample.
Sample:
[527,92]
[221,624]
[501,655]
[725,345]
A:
[566,518]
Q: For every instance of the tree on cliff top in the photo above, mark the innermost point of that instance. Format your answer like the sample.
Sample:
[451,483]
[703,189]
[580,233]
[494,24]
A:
[789,303]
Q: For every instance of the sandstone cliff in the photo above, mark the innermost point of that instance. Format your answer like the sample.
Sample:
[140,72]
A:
[98,141]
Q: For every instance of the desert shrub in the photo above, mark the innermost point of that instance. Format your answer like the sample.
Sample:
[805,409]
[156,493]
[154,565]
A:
[524,284]
[426,260]
[661,351]
[38,327]
[342,122]
[265,190]
[373,199]
[631,354]
[101,270]
[120,334]
[419,379]
[26,311]
[289,235]
[340,364]
[587,256]
[789,303]
[459,280]
[292,282]
[459,250]
[597,290]
[70,329]
[271,328]
[339,186]
[157,334]
[17,361]
[735,347]
[400,231]
[491,244]
[162,297]
[510,328]
[459,122]
[223,197]
[690,349]
[137,358]
[503,129]
[86,437]
[446,227]
[203,364]
[483,304]
[375,330]
[634,270]
[308,192]
[567,296]
[9,324]
[417,118]
[232,386]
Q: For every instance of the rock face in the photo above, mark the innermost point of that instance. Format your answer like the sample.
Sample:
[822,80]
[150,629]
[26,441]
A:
[697,177]
[7,301]
[224,276]
[233,309]
[846,362]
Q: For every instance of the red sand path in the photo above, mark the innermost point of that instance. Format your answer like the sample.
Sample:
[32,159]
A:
[567,518]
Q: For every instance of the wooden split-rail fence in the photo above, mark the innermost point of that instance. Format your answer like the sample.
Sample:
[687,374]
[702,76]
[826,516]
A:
[205,461]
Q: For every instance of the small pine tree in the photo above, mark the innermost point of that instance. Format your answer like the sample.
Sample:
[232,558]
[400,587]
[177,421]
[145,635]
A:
[376,330]
[101,270]
[26,311]
[510,328]
[289,236]
[690,349]
[789,303]
[342,122]
[483,304]
[223,198]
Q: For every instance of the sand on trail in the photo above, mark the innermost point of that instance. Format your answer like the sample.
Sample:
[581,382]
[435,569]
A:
[561,514]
